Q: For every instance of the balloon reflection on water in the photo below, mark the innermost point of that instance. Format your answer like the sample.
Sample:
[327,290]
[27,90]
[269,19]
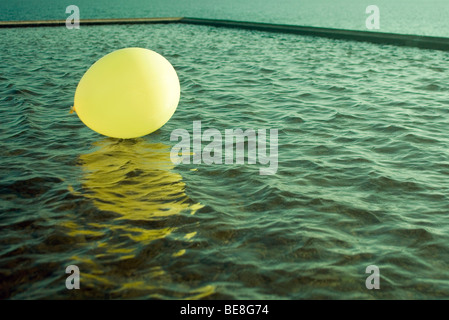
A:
[139,199]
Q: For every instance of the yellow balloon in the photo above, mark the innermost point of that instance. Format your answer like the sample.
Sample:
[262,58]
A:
[128,93]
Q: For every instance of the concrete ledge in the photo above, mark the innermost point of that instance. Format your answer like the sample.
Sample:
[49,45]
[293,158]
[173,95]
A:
[426,42]
[436,43]
[88,22]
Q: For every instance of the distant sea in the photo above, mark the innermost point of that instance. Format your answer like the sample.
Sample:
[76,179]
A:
[423,17]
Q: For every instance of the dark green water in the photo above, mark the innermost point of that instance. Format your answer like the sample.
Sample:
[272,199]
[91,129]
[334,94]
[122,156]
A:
[363,174]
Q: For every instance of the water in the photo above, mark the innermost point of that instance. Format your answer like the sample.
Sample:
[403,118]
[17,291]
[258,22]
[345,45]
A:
[423,17]
[363,172]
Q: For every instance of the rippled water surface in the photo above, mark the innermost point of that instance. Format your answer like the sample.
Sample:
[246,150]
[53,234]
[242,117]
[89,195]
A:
[363,174]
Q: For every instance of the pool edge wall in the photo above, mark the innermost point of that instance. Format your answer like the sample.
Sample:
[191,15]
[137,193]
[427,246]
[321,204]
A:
[424,42]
